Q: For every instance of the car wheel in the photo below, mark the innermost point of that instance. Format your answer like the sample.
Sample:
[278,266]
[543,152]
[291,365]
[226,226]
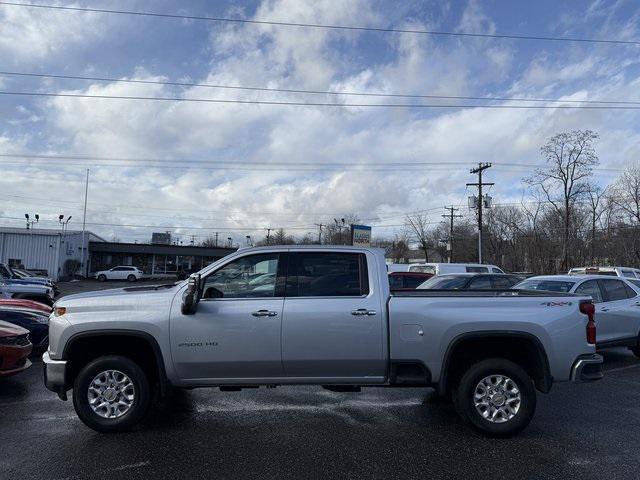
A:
[102,277]
[111,394]
[636,350]
[496,396]
[131,278]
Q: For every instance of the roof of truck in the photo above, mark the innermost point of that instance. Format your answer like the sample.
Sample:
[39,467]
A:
[310,247]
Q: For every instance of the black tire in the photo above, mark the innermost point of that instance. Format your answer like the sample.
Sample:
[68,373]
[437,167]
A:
[141,401]
[102,277]
[131,278]
[635,350]
[463,397]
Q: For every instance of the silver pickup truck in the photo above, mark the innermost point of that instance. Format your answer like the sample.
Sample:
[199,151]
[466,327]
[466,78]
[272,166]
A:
[316,315]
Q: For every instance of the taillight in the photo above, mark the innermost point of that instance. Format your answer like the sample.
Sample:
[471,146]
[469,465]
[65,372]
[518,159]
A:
[589,309]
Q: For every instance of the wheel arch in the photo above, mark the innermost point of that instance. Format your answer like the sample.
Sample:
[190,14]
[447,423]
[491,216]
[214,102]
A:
[86,346]
[482,344]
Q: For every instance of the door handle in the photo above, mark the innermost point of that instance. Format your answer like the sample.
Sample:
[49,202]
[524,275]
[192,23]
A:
[363,311]
[264,313]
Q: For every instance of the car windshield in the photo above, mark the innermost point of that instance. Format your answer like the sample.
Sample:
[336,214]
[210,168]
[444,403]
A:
[444,282]
[546,285]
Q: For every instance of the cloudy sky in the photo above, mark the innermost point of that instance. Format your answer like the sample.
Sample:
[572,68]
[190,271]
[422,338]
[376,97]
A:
[197,167]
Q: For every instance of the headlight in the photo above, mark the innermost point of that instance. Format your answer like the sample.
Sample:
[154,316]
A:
[59,311]
[42,319]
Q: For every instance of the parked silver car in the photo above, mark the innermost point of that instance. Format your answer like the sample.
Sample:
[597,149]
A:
[617,303]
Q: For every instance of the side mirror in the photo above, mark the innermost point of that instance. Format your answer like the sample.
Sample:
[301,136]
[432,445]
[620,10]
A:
[191,295]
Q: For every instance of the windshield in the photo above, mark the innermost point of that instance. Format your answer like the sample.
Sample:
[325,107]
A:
[547,285]
[444,282]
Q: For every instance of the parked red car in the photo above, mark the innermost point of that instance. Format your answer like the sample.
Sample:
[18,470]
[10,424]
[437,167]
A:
[402,281]
[25,304]
[15,348]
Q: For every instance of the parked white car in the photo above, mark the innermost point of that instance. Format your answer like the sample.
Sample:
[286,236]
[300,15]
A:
[617,303]
[120,273]
[626,272]
[442,268]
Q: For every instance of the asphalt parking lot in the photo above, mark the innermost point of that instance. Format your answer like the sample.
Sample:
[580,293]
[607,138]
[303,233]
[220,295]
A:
[579,431]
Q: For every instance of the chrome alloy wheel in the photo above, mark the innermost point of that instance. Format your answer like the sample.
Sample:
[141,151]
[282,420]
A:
[497,398]
[111,394]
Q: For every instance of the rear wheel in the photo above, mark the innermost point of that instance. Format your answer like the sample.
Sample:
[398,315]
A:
[111,394]
[102,277]
[131,278]
[496,396]
[636,350]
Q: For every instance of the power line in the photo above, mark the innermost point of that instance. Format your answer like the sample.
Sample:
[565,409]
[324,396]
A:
[314,92]
[327,26]
[319,104]
[288,165]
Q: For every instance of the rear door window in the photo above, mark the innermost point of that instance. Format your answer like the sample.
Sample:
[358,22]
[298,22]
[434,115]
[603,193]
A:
[413,282]
[395,282]
[502,282]
[481,282]
[614,290]
[320,274]
[590,288]
[628,274]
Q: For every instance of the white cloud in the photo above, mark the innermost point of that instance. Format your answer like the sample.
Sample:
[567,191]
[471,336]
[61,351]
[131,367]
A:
[322,59]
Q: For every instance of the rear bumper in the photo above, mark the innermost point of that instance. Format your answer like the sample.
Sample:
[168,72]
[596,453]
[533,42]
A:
[55,375]
[587,368]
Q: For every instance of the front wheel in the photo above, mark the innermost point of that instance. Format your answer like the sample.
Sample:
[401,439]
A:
[496,396]
[102,277]
[636,350]
[111,394]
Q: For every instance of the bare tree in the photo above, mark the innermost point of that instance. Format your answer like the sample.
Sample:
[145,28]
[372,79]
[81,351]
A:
[626,193]
[596,198]
[418,227]
[570,157]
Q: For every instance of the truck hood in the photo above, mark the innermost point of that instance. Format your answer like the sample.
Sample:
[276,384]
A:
[124,293]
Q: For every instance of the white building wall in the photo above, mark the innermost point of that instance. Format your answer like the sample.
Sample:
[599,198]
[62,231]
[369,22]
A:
[33,251]
[40,250]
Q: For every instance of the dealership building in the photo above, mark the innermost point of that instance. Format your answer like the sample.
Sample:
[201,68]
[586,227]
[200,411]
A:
[153,259]
[61,254]
[54,251]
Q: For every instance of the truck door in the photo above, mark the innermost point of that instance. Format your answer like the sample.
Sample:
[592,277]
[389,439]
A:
[332,325]
[235,332]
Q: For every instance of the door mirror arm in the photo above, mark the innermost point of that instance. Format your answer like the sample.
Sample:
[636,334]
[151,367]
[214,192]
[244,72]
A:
[191,295]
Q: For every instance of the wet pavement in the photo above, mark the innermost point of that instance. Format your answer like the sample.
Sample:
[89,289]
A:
[579,431]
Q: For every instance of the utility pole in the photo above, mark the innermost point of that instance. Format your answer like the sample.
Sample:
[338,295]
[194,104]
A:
[268,236]
[481,167]
[451,215]
[84,224]
[319,225]
[217,239]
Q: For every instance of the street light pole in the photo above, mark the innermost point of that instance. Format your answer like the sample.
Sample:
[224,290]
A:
[84,225]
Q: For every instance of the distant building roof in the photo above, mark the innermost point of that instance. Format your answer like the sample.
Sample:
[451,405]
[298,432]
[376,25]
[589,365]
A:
[117,247]
[50,231]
